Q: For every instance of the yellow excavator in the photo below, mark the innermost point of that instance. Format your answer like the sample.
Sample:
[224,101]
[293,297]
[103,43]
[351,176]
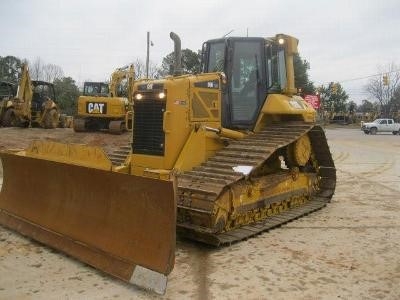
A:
[34,104]
[101,107]
[218,157]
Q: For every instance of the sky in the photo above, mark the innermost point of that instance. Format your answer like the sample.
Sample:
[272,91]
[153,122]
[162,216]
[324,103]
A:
[343,40]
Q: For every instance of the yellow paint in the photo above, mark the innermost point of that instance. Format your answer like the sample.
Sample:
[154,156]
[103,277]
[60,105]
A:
[75,154]
[277,107]
[187,143]
[117,107]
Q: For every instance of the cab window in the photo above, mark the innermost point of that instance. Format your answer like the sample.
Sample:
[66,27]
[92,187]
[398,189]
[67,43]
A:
[246,78]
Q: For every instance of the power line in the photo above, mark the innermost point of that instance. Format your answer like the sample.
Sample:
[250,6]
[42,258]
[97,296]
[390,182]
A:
[364,77]
[369,76]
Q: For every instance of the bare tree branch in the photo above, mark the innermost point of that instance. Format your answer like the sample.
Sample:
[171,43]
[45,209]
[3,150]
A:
[140,69]
[36,69]
[46,72]
[52,72]
[385,93]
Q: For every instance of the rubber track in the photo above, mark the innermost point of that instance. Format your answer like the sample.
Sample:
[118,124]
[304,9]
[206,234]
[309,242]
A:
[208,181]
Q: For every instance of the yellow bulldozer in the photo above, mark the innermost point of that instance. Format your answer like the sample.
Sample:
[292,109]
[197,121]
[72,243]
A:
[101,107]
[218,157]
[34,105]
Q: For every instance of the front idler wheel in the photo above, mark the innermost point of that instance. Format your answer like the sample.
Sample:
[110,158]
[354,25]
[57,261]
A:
[299,152]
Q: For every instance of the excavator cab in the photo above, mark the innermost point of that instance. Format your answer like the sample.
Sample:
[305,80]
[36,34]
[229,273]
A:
[91,88]
[44,111]
[42,91]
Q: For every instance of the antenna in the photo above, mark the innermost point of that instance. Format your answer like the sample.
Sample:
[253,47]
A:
[148,54]
[228,33]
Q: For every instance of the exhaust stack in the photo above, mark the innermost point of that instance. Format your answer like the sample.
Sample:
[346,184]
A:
[178,54]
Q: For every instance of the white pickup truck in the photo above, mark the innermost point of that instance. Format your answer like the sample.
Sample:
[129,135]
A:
[381,125]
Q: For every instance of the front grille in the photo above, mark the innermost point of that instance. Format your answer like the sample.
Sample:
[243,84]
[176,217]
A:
[148,134]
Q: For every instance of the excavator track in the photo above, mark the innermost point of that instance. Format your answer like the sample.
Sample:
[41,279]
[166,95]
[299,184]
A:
[206,182]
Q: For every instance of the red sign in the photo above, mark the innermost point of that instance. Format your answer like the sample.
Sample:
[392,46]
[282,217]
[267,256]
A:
[313,100]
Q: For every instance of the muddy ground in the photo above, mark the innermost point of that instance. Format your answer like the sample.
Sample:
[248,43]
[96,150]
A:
[348,250]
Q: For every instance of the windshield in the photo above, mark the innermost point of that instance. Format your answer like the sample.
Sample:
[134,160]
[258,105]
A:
[42,91]
[216,57]
[243,62]
[275,68]
[95,89]
[246,73]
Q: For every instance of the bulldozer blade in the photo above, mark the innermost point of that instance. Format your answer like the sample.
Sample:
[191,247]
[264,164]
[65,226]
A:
[122,224]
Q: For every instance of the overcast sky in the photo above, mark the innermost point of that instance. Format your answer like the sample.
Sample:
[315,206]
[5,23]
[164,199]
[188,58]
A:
[342,40]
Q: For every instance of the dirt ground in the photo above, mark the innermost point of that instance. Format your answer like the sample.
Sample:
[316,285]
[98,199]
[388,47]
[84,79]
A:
[17,138]
[348,250]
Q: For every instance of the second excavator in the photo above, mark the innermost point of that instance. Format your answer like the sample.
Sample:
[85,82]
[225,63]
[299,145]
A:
[220,156]
[103,107]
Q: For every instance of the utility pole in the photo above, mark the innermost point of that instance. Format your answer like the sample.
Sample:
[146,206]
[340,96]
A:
[148,54]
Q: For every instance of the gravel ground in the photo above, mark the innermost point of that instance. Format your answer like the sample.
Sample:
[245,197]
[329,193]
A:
[348,250]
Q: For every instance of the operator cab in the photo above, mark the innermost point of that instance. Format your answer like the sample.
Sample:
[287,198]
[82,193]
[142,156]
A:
[95,89]
[254,67]
[42,91]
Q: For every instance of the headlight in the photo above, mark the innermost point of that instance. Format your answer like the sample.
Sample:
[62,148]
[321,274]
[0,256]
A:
[161,95]
[138,96]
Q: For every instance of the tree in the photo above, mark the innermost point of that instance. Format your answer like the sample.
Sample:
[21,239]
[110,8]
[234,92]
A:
[10,68]
[333,98]
[351,107]
[366,106]
[395,104]
[140,69]
[190,63]
[384,91]
[52,72]
[67,94]
[301,66]
[38,70]
[368,109]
